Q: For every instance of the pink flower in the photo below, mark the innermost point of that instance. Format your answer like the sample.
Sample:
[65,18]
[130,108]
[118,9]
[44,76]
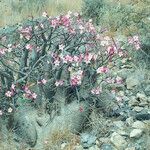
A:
[67,59]
[2,51]
[119,80]
[110,50]
[110,80]
[75,81]
[76,78]
[120,53]
[105,41]
[55,22]
[81,109]
[96,91]
[8,94]
[59,83]
[135,41]
[13,87]
[65,21]
[88,57]
[29,47]
[43,81]
[76,59]
[102,69]
[57,62]
[26,90]
[34,96]
[26,32]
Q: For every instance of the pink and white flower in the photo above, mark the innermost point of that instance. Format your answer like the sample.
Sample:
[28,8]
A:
[29,47]
[59,83]
[8,94]
[102,69]
[96,91]
[119,80]
[44,81]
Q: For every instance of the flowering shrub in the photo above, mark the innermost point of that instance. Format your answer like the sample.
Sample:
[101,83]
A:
[63,56]
[124,18]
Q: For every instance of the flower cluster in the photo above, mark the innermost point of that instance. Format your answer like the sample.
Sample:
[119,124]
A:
[135,42]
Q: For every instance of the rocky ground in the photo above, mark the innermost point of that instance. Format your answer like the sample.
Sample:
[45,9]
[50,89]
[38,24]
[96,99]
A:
[125,128]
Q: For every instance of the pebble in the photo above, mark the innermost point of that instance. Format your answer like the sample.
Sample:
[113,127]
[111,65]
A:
[107,147]
[138,125]
[118,140]
[138,109]
[119,124]
[79,147]
[129,121]
[95,147]
[133,102]
[136,133]
[130,148]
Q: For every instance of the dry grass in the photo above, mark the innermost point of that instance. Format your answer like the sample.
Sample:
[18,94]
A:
[58,137]
[16,10]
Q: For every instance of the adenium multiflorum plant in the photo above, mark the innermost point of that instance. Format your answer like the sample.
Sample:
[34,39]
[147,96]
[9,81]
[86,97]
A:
[64,55]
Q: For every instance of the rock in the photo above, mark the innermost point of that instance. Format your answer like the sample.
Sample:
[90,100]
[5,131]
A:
[107,147]
[143,116]
[119,124]
[143,104]
[95,147]
[131,82]
[63,145]
[122,132]
[130,148]
[104,140]
[79,147]
[133,101]
[141,97]
[129,121]
[136,133]
[139,125]
[118,141]
[138,109]
[87,140]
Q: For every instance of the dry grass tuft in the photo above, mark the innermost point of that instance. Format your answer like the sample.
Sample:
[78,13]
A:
[58,137]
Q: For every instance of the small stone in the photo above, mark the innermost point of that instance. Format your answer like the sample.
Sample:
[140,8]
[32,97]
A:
[133,102]
[138,109]
[136,133]
[95,147]
[123,133]
[87,140]
[143,104]
[104,140]
[107,147]
[131,82]
[79,147]
[118,140]
[130,148]
[63,145]
[141,97]
[138,125]
[119,124]
[129,121]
